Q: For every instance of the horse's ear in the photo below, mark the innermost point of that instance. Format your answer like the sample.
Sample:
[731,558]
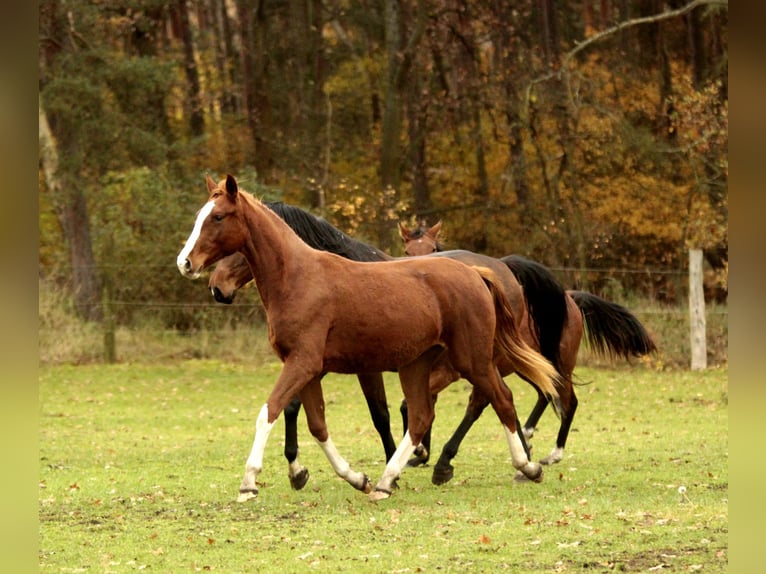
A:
[231,186]
[434,231]
[210,183]
[404,233]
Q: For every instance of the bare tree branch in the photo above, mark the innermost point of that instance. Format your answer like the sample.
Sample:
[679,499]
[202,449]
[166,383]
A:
[638,21]
[617,28]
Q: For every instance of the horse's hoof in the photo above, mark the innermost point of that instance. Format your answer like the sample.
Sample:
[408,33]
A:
[299,480]
[379,494]
[417,461]
[442,474]
[367,486]
[245,495]
[557,455]
[534,472]
[520,477]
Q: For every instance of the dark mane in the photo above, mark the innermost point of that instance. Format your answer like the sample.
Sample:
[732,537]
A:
[320,234]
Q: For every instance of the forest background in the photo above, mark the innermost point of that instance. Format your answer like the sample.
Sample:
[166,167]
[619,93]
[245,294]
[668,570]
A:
[591,136]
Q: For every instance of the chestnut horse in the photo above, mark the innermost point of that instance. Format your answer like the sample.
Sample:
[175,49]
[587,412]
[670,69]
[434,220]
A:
[611,330]
[542,329]
[320,235]
[329,314]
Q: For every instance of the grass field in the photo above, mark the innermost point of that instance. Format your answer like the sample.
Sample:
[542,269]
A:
[140,466]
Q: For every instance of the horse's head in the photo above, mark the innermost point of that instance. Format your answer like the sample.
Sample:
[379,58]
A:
[422,240]
[231,273]
[219,229]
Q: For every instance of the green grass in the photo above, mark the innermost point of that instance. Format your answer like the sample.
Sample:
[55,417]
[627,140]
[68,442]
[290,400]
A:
[140,466]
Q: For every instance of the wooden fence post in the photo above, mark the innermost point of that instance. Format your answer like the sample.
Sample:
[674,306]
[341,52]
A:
[697,311]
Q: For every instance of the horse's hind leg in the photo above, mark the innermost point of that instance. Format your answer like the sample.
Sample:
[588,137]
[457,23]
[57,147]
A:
[568,408]
[501,399]
[442,376]
[297,473]
[313,405]
[420,415]
[422,452]
[375,395]
[537,411]
[443,470]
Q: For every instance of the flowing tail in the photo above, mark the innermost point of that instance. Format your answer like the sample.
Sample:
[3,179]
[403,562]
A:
[546,303]
[612,330]
[508,341]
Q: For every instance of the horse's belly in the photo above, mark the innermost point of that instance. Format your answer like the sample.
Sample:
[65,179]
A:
[374,352]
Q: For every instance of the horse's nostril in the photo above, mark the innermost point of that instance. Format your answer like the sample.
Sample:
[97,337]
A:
[220,297]
[187,265]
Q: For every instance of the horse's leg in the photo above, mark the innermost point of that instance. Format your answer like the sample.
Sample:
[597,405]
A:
[443,470]
[501,399]
[375,394]
[420,415]
[293,377]
[422,452]
[442,375]
[313,405]
[297,473]
[568,401]
[248,488]
[534,417]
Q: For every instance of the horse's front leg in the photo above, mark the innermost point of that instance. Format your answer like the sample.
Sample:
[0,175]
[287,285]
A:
[298,474]
[292,379]
[443,470]
[375,394]
[313,405]
[254,465]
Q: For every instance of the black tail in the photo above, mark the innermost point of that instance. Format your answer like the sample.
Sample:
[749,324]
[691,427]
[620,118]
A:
[611,329]
[546,303]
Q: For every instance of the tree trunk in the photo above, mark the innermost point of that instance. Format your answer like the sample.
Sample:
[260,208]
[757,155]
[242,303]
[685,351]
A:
[392,122]
[73,215]
[416,128]
[254,34]
[227,58]
[194,98]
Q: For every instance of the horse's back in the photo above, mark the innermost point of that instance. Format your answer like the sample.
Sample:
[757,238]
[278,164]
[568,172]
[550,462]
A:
[507,279]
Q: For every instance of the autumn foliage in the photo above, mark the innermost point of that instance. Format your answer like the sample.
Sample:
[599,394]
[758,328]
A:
[590,137]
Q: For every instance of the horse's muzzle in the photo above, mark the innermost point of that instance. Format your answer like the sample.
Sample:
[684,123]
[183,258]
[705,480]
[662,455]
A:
[220,297]
[185,267]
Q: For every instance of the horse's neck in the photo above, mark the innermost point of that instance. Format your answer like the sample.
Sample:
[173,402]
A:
[274,252]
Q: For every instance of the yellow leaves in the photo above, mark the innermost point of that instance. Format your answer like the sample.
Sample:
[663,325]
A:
[644,204]
[356,205]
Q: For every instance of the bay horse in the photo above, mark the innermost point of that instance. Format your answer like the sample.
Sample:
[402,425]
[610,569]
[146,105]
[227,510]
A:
[330,314]
[611,331]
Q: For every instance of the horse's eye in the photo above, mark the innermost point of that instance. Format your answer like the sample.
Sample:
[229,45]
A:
[218,217]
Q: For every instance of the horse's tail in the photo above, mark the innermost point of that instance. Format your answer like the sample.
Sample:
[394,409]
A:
[528,362]
[546,303]
[611,329]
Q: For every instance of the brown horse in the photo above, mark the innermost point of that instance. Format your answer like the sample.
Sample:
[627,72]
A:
[612,330]
[329,314]
[543,331]
[233,272]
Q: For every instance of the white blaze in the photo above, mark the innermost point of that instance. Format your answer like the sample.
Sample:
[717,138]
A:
[191,242]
